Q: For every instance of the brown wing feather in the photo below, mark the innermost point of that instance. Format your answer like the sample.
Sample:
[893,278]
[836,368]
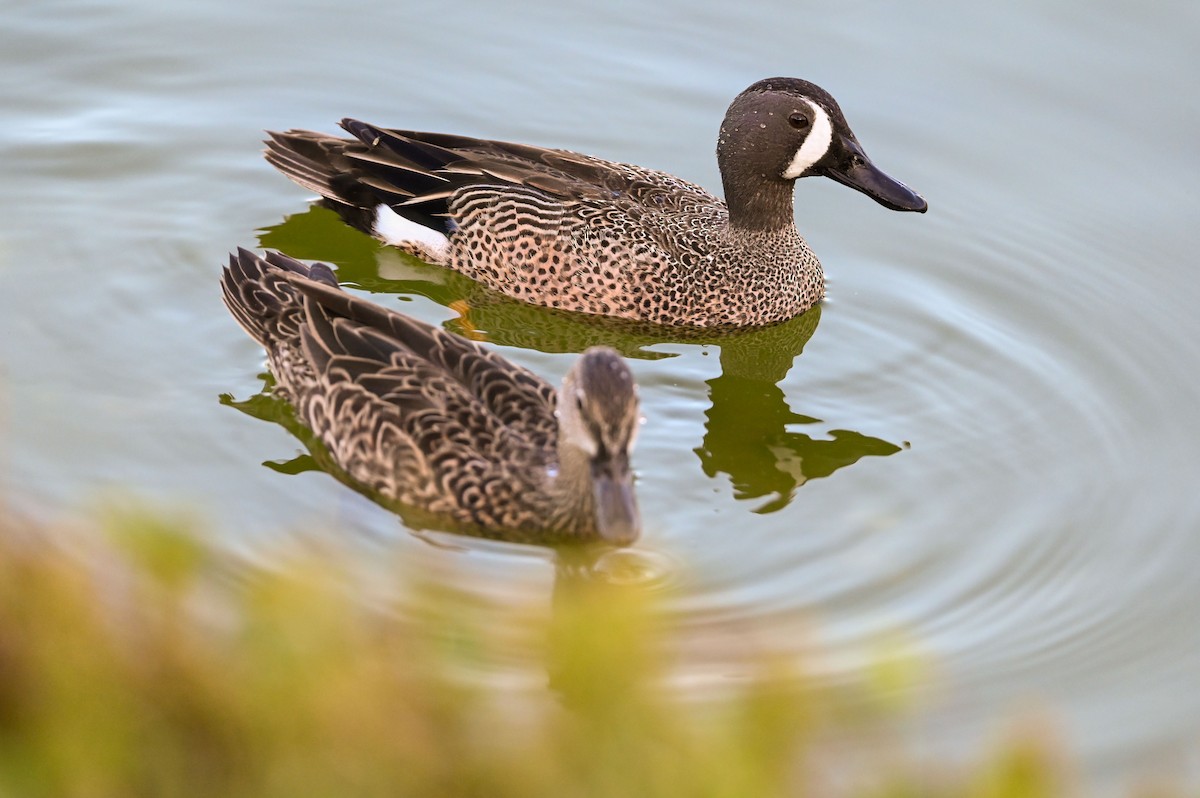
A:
[414,413]
[405,167]
[516,396]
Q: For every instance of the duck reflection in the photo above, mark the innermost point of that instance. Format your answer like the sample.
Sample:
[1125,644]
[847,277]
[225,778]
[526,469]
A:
[598,616]
[750,433]
[747,433]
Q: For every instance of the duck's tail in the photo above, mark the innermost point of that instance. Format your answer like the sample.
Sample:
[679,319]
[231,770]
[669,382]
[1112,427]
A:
[389,184]
[259,295]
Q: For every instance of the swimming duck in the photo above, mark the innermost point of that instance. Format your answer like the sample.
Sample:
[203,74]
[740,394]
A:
[572,231]
[433,421]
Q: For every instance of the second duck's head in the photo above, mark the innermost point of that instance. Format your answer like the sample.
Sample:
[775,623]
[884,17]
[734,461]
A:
[598,421]
[781,129]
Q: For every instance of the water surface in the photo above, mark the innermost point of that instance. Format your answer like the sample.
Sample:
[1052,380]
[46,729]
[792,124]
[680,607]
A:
[983,442]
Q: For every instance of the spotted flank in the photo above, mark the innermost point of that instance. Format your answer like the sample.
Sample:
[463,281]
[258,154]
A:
[427,420]
[571,231]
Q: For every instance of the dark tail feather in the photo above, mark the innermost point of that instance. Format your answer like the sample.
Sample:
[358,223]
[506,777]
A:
[305,157]
[355,176]
[257,291]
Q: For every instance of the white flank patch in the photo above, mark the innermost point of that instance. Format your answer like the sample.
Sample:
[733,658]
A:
[815,145]
[394,229]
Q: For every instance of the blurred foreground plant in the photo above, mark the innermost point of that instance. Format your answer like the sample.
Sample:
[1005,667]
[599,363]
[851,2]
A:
[142,662]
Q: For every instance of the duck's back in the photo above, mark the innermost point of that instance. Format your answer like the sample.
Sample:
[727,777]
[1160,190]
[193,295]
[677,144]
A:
[420,417]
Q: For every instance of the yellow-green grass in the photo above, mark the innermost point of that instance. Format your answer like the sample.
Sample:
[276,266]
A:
[138,660]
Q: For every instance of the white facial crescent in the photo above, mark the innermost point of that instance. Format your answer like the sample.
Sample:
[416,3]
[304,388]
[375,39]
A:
[815,145]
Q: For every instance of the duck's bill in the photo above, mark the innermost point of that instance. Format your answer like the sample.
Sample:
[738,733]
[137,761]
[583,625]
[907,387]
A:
[617,516]
[856,171]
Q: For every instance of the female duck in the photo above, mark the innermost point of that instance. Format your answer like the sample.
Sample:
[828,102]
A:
[435,422]
[571,231]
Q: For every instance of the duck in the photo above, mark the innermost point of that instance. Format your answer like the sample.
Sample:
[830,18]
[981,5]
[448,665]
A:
[571,231]
[431,421]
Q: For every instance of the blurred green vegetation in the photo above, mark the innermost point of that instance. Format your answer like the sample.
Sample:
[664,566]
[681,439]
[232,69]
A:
[136,659]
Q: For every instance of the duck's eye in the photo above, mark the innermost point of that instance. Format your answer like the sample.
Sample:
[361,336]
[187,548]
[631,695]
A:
[798,121]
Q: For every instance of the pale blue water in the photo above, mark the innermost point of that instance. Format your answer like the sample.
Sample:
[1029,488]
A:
[987,445]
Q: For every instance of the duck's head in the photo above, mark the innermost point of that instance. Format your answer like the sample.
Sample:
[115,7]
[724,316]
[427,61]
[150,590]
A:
[782,129]
[598,416]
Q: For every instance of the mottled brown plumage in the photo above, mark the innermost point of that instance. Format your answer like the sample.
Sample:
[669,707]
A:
[571,231]
[429,420]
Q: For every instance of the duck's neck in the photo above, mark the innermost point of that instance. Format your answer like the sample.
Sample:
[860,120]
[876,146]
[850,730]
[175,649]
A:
[757,202]
[573,505]
[759,206]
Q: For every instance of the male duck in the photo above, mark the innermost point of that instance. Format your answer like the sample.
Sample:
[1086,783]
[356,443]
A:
[433,421]
[571,231]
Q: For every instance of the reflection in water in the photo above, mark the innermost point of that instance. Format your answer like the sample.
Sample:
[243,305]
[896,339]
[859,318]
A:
[746,434]
[590,622]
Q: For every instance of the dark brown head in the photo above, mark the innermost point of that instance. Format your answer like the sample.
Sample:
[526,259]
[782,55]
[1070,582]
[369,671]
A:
[781,129]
